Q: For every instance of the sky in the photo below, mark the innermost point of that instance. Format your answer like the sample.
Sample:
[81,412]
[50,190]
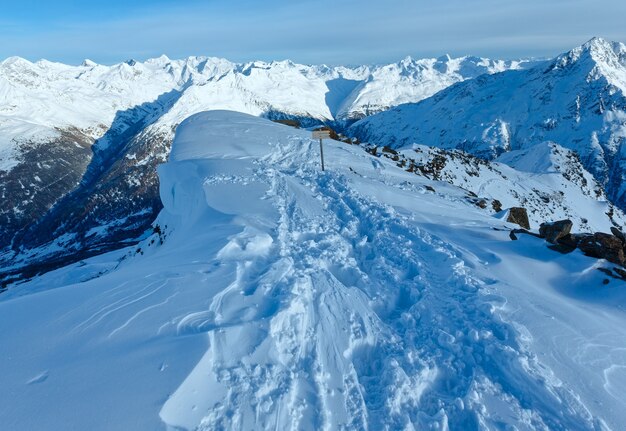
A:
[323,31]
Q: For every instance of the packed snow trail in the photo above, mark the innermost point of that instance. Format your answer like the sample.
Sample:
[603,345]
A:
[345,299]
[419,350]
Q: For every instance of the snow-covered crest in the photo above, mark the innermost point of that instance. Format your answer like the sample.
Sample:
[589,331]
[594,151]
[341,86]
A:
[274,295]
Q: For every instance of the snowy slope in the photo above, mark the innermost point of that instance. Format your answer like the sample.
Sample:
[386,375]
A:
[282,297]
[577,100]
[547,180]
[410,81]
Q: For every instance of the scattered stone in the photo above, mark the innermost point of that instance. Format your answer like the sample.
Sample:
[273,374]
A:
[496,205]
[514,232]
[372,150]
[289,122]
[606,271]
[603,246]
[570,240]
[519,216]
[554,231]
[429,188]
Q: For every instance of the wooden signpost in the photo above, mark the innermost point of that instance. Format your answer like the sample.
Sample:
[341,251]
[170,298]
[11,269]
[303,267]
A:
[321,134]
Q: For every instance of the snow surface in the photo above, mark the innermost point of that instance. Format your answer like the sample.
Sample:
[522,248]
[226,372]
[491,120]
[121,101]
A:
[283,297]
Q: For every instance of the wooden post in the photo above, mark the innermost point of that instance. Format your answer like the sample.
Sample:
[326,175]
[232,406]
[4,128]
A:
[321,134]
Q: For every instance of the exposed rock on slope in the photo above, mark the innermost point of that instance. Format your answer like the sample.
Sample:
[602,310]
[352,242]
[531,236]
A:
[547,180]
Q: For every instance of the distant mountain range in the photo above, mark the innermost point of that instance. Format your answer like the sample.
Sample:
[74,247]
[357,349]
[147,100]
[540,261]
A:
[79,145]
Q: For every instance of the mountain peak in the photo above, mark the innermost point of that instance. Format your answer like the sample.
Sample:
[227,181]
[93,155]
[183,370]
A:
[16,61]
[162,60]
[597,50]
[88,63]
[597,42]
[596,59]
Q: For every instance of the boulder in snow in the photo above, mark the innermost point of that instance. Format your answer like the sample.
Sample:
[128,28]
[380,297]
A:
[519,216]
[554,231]
[603,246]
[618,233]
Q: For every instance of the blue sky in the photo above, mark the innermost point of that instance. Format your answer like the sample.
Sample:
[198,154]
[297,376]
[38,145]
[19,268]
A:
[321,31]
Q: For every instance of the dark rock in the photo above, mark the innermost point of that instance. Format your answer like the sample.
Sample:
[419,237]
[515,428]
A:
[519,216]
[618,233]
[570,240]
[496,205]
[620,272]
[289,122]
[514,232]
[603,246]
[552,232]
[429,188]
[563,249]
[482,204]
[606,271]
[372,150]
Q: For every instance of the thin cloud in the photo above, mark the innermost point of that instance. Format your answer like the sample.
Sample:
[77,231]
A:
[322,31]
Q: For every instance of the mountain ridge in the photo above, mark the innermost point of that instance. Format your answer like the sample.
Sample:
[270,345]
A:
[576,100]
[271,294]
[116,122]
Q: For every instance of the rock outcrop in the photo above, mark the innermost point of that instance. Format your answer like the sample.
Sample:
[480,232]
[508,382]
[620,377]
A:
[609,246]
[519,216]
[603,246]
[554,231]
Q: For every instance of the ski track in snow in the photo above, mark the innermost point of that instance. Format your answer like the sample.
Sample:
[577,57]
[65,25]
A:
[431,355]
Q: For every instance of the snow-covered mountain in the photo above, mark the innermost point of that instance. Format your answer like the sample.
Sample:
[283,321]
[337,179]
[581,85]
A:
[272,295]
[547,180]
[578,101]
[85,140]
